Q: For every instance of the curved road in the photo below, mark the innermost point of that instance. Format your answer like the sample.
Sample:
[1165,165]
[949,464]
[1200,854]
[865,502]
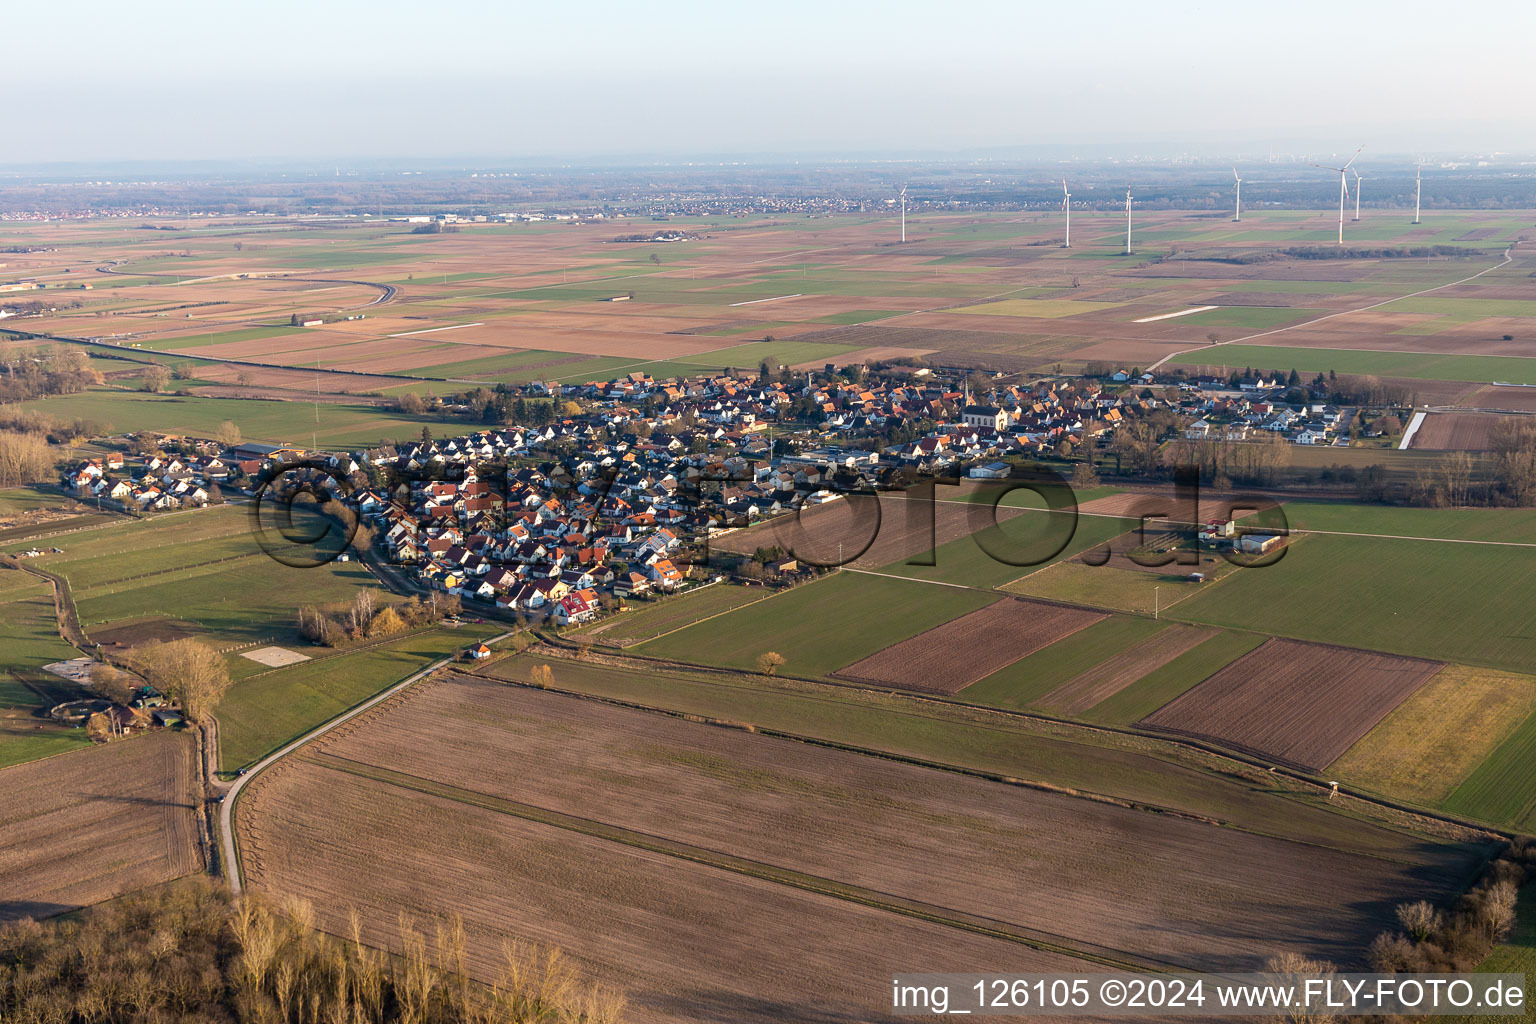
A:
[1508,258]
[227,806]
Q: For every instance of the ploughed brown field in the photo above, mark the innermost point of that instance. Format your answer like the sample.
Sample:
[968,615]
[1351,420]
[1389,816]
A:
[948,658]
[674,859]
[1457,431]
[716,874]
[1108,678]
[90,825]
[683,942]
[1495,397]
[1297,703]
[137,632]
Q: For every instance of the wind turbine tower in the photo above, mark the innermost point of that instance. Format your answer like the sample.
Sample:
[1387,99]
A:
[1066,208]
[1418,190]
[1343,188]
[903,214]
[1237,203]
[1127,220]
[1357,195]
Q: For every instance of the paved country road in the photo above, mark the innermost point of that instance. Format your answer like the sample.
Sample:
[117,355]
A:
[227,806]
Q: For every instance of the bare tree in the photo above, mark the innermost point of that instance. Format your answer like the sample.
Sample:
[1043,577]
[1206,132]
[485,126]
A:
[1456,475]
[189,671]
[156,377]
[769,661]
[228,434]
[1296,964]
[1514,457]
[114,684]
[1421,920]
[24,459]
[541,675]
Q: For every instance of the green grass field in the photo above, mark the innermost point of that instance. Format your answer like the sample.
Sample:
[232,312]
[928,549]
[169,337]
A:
[1467,603]
[1464,307]
[648,619]
[1025,538]
[14,500]
[1494,524]
[216,338]
[29,639]
[1255,318]
[204,567]
[260,714]
[259,420]
[858,316]
[819,627]
[1119,589]
[1503,788]
[1049,309]
[1420,365]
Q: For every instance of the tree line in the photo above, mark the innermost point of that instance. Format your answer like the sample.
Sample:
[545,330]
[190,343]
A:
[368,616]
[191,952]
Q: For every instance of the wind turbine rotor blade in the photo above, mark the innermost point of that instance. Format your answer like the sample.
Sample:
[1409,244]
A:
[1357,154]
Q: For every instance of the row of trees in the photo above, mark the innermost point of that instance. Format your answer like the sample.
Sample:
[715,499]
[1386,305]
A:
[499,405]
[368,616]
[1224,462]
[1460,937]
[190,952]
[25,458]
[1514,457]
[34,371]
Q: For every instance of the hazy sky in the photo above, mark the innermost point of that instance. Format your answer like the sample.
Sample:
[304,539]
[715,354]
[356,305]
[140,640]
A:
[187,79]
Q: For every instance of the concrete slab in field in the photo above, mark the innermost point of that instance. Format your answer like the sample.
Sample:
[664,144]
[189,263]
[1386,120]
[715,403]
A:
[274,657]
[77,670]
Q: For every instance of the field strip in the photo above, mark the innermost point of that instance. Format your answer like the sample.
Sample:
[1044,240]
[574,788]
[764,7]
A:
[433,330]
[916,579]
[692,622]
[1044,941]
[1508,258]
[1294,531]
[227,851]
[774,298]
[1413,428]
[1170,316]
[89,591]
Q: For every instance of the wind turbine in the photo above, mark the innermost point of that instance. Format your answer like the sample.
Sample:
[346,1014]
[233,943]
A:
[1066,208]
[1237,203]
[1127,220]
[1343,188]
[1418,190]
[903,214]
[1357,194]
